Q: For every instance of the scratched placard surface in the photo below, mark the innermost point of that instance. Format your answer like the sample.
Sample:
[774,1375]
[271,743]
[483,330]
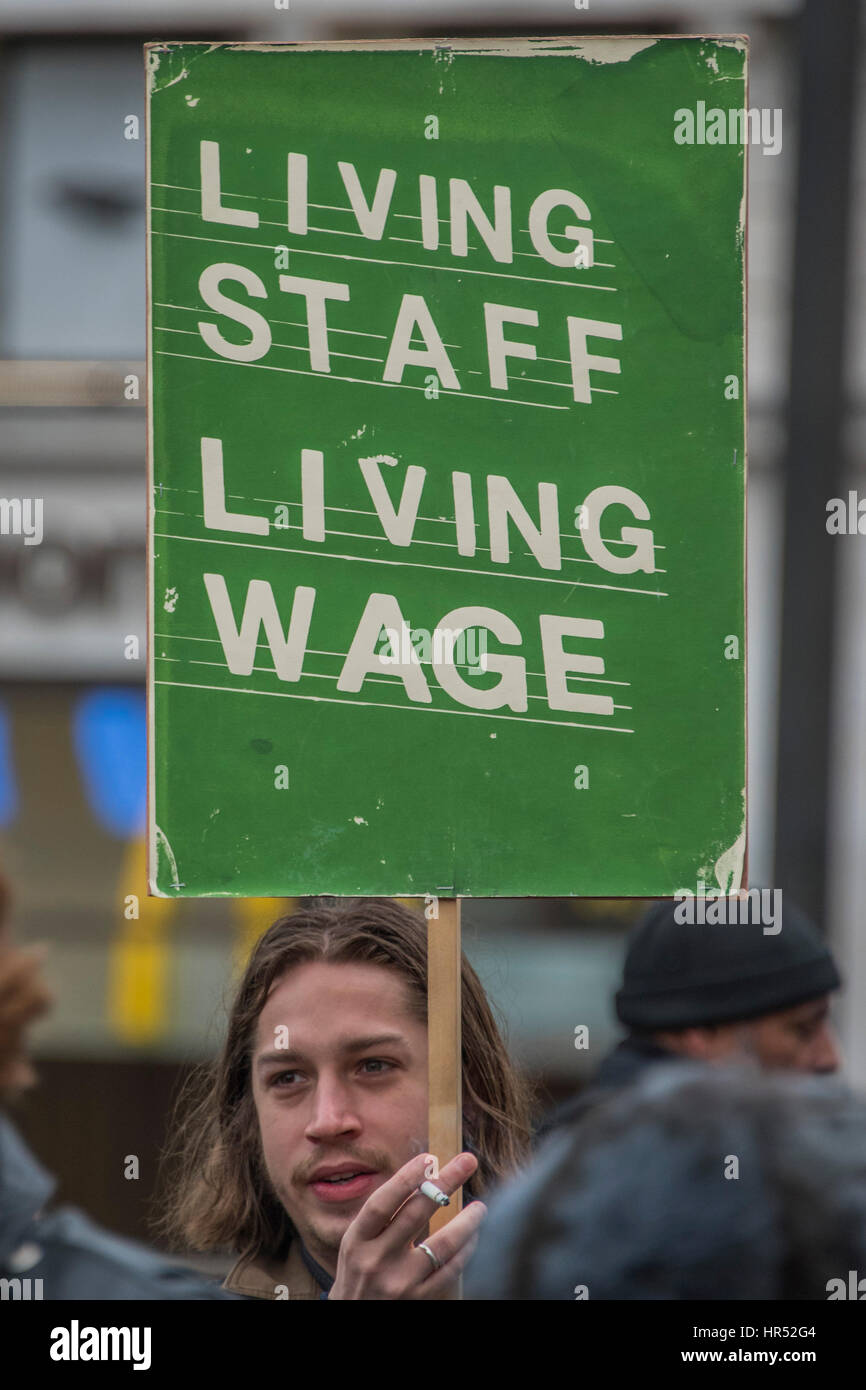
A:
[447,468]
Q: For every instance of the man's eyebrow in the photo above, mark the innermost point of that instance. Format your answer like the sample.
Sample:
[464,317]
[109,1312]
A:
[820,1009]
[350,1045]
[379,1040]
[266,1058]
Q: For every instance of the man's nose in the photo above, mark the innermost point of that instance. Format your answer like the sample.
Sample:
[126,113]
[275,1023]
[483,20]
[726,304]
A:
[827,1055]
[332,1114]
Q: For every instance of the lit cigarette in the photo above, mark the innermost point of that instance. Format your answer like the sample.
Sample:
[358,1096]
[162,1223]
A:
[435,1194]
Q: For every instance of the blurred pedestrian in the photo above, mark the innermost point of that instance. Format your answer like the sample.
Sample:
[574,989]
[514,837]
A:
[58,1253]
[716,992]
[696,1183]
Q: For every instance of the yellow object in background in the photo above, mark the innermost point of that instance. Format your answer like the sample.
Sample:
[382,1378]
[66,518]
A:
[139,956]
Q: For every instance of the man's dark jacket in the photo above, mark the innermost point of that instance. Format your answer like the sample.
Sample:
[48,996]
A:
[622,1067]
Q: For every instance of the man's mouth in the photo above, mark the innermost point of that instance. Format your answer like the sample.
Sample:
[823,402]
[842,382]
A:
[343,1183]
[345,1177]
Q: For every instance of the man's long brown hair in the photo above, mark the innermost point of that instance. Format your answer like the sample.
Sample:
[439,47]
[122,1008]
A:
[218,1194]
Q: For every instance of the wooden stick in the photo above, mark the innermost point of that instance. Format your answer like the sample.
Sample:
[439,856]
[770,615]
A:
[444,1042]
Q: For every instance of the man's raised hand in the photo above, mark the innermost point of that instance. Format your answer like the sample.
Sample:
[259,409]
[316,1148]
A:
[379,1257]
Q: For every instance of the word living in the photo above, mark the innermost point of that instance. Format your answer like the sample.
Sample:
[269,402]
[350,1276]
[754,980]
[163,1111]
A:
[414,315]
[372,216]
[504,508]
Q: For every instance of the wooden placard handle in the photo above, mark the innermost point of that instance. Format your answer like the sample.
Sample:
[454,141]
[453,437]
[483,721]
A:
[444,1043]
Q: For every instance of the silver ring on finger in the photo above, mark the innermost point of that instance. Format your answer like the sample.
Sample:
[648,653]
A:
[433,1257]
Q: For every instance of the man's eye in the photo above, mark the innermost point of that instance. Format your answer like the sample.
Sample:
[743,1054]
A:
[377,1063]
[279,1078]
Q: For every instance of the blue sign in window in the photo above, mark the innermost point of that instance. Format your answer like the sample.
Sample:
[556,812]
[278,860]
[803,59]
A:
[8,790]
[110,735]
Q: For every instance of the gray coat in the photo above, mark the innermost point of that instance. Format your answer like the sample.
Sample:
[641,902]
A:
[62,1254]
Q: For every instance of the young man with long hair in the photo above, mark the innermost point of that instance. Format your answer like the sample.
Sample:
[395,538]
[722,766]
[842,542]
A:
[304,1146]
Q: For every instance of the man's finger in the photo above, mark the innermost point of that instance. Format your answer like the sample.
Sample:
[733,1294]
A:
[379,1208]
[412,1218]
[399,1209]
[441,1280]
[448,1241]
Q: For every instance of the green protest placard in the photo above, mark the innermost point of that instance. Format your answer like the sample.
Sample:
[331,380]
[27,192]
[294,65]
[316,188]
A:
[447,451]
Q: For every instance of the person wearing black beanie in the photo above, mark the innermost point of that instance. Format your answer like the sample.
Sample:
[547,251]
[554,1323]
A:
[719,991]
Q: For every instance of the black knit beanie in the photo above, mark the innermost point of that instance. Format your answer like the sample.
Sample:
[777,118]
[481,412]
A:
[681,975]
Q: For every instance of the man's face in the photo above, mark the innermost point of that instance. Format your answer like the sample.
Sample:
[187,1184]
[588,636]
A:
[798,1039]
[345,1092]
